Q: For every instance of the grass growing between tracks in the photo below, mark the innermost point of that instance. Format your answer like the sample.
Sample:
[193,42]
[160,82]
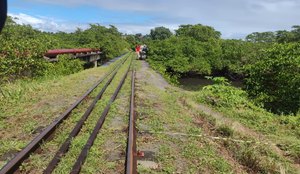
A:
[78,142]
[34,105]
[108,152]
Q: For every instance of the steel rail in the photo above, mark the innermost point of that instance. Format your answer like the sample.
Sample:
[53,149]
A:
[81,159]
[14,164]
[131,153]
[65,146]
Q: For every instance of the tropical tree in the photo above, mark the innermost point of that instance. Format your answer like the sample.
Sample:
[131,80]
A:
[274,81]
[296,33]
[198,32]
[160,33]
[21,51]
[283,36]
[266,37]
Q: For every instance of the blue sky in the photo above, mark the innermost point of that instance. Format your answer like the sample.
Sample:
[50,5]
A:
[234,18]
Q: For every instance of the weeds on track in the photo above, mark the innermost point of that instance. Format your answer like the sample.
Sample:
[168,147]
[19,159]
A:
[36,108]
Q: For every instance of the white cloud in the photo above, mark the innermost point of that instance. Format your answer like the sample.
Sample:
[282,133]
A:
[26,19]
[45,23]
[231,17]
[128,28]
[53,25]
[234,18]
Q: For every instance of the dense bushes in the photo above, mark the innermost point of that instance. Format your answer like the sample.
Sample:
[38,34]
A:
[186,52]
[64,66]
[274,81]
[272,70]
[176,55]
[237,53]
[222,94]
[109,40]
[235,103]
[198,49]
[22,49]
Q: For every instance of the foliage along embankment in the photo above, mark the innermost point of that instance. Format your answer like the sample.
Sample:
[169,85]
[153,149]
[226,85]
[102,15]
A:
[271,69]
[284,130]
[22,49]
[274,80]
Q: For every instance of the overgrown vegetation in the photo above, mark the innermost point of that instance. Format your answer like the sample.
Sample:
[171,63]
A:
[109,40]
[272,70]
[22,49]
[221,94]
[234,103]
[198,49]
[268,60]
[274,80]
[31,106]
[169,112]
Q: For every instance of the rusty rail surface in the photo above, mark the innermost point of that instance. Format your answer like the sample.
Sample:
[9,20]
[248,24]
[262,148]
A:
[14,164]
[54,53]
[81,159]
[131,153]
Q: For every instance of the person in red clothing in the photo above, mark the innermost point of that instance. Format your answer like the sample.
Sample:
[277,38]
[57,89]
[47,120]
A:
[137,50]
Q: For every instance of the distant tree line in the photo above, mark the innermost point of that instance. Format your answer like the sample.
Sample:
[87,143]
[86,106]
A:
[281,36]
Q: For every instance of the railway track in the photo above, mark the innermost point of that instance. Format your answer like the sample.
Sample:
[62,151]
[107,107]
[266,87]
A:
[130,162]
[131,153]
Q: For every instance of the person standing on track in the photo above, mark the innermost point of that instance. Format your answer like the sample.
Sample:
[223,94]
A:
[137,50]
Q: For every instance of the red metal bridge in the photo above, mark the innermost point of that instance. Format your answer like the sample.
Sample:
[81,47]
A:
[88,55]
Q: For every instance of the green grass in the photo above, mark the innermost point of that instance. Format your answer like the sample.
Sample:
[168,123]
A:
[79,141]
[160,111]
[42,102]
[280,130]
[108,152]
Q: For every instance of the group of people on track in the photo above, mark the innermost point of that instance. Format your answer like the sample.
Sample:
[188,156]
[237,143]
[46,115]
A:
[141,51]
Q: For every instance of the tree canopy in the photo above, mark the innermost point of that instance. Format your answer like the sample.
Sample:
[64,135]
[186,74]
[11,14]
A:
[160,33]
[261,37]
[272,70]
[198,32]
[280,36]
[275,79]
